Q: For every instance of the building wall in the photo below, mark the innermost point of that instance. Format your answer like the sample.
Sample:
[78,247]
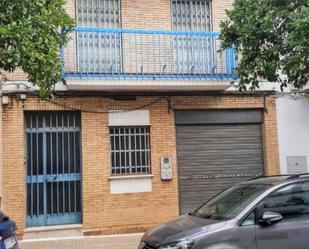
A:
[18,74]
[293,129]
[1,154]
[14,196]
[218,8]
[104,213]
[146,14]
[156,15]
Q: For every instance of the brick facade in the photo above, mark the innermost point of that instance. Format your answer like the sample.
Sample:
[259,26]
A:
[104,213]
[146,14]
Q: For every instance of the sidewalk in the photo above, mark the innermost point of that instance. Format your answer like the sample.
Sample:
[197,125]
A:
[129,241]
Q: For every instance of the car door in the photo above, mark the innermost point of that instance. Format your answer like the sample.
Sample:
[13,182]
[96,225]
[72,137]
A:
[292,232]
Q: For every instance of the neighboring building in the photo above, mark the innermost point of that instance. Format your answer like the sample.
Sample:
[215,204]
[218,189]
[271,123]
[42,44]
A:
[293,132]
[142,129]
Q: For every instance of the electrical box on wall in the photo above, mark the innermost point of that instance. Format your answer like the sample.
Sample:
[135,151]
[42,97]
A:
[296,164]
[166,169]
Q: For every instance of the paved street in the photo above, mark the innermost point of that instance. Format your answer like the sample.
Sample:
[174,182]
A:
[99,242]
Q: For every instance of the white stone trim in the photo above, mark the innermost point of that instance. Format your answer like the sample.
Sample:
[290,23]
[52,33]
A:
[129,118]
[131,185]
[147,85]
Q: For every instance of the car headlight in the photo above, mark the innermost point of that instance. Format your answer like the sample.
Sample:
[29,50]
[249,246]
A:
[179,245]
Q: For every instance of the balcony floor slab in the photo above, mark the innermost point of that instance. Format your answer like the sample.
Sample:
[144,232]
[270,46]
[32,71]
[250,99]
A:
[147,85]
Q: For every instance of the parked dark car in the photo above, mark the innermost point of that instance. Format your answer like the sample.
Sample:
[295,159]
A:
[7,233]
[265,213]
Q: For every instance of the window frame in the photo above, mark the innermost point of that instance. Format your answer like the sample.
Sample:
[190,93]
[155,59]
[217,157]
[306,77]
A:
[112,47]
[211,23]
[255,208]
[193,54]
[146,150]
[119,19]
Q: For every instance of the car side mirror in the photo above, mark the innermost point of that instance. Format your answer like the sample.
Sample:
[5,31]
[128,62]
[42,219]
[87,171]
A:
[270,218]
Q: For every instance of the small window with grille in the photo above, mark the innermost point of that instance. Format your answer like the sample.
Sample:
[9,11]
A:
[192,15]
[130,150]
[98,13]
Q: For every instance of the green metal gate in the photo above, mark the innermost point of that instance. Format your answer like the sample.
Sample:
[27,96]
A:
[53,159]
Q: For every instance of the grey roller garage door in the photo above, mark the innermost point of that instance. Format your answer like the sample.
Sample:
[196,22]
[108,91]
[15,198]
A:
[213,156]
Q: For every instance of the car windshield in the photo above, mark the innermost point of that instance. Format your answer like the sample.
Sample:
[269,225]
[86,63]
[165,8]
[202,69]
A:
[230,202]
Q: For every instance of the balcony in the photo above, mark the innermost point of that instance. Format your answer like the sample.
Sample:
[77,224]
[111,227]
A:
[97,53]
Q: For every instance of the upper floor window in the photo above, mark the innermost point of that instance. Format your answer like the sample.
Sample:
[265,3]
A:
[92,46]
[98,13]
[192,15]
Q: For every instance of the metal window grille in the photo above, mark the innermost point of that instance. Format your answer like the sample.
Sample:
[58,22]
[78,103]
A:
[99,14]
[193,54]
[192,15]
[130,150]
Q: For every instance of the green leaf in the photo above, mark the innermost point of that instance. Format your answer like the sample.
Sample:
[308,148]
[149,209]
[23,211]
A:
[30,39]
[272,37]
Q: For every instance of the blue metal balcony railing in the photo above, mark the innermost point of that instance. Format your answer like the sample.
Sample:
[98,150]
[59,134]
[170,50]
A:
[141,54]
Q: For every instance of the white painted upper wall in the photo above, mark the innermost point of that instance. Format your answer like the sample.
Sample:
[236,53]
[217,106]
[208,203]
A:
[293,128]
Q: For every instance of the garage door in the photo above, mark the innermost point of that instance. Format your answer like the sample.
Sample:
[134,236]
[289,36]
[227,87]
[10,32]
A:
[215,150]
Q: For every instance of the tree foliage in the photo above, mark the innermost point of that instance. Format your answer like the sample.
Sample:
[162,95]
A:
[31,35]
[272,37]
